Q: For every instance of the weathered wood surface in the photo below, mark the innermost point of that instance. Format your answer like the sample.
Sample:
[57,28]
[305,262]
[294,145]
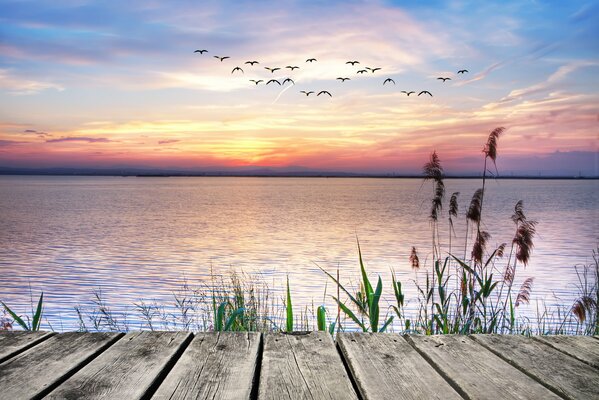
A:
[385,366]
[583,348]
[38,370]
[562,373]
[128,369]
[170,365]
[214,366]
[303,366]
[14,343]
[476,372]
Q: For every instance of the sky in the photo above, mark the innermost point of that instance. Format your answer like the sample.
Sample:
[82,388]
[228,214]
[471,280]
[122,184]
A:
[107,84]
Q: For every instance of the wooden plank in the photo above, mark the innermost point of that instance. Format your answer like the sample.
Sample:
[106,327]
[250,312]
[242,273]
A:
[556,370]
[476,372]
[38,370]
[128,370]
[214,366]
[385,366]
[303,366]
[13,343]
[583,348]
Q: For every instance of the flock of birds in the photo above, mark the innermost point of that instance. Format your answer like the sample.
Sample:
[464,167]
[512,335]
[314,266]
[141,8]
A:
[353,63]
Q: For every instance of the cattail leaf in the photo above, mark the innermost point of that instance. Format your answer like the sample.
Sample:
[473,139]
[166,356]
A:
[289,309]
[351,297]
[14,316]
[349,313]
[232,318]
[37,317]
[386,324]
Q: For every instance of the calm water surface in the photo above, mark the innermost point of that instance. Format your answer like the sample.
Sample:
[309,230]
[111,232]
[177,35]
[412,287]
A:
[139,237]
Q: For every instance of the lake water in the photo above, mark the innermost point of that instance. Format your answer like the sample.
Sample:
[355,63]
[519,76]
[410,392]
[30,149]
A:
[137,238]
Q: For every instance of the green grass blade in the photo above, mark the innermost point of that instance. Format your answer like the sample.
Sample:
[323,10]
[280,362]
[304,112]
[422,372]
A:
[232,317]
[37,317]
[14,316]
[289,310]
[351,297]
[374,306]
[321,318]
[386,324]
[220,317]
[367,285]
[332,328]
[350,314]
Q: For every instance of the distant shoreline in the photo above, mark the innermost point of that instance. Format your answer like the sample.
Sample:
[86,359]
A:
[282,175]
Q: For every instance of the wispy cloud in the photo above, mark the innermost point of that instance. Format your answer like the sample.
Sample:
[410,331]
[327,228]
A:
[168,141]
[23,86]
[79,139]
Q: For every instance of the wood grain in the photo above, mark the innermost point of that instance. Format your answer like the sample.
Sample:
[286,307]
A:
[127,370]
[303,366]
[583,348]
[477,372]
[214,366]
[13,343]
[385,366]
[565,375]
[38,370]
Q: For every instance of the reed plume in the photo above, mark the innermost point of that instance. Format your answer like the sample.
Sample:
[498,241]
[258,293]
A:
[473,213]
[524,293]
[490,149]
[432,169]
[479,247]
[523,240]
[584,306]
[518,216]
[500,250]
[453,212]
[414,260]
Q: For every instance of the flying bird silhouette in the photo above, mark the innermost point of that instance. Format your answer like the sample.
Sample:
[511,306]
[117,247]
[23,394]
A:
[291,68]
[222,58]
[252,63]
[324,92]
[274,81]
[462,71]
[237,69]
[408,93]
[272,69]
[373,70]
[353,62]
[201,51]
[361,71]
[256,81]
[306,93]
[388,80]
[443,79]
[288,80]
[425,92]
[311,60]
[343,79]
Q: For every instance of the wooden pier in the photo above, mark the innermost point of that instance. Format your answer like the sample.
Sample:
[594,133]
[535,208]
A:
[181,365]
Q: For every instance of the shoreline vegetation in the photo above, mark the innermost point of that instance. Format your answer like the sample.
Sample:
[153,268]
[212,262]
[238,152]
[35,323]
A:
[467,288]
